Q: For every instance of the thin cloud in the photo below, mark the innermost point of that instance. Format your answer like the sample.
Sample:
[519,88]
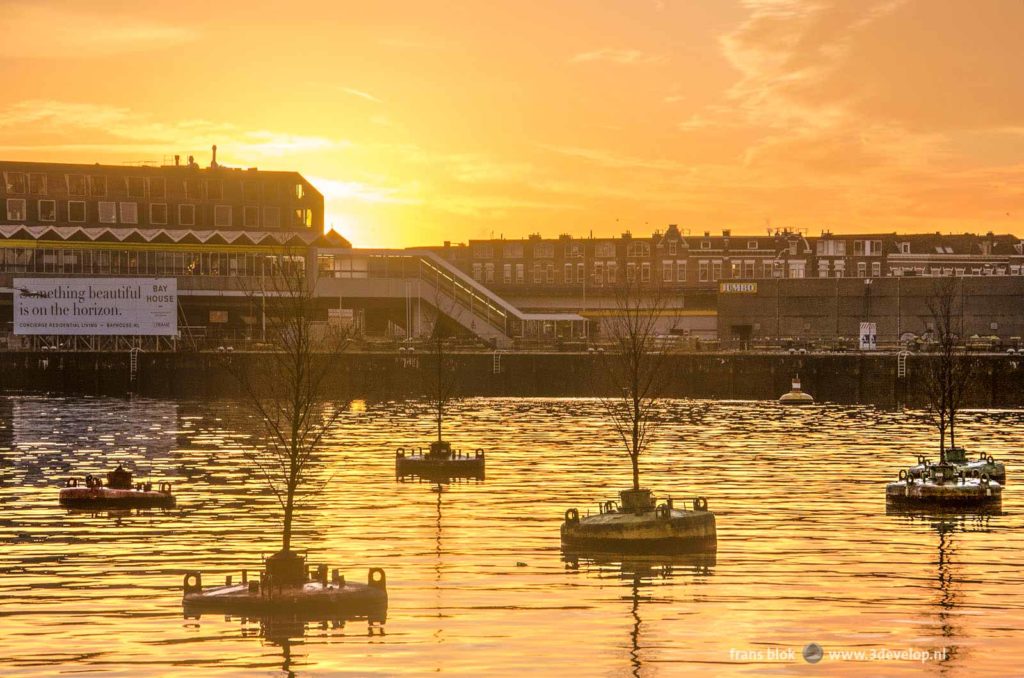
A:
[361,94]
[41,31]
[121,129]
[623,57]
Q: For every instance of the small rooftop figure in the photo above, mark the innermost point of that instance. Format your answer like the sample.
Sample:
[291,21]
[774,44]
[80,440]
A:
[119,479]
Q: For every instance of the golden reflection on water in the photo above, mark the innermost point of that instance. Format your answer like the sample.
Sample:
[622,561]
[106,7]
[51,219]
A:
[477,580]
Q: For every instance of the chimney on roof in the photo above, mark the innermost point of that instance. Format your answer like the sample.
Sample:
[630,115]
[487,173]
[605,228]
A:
[192,161]
[177,160]
[213,162]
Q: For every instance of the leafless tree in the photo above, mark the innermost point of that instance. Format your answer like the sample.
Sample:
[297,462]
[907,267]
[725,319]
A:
[950,371]
[286,388]
[633,372]
[438,371]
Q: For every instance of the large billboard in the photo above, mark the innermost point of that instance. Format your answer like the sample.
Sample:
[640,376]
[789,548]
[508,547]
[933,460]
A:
[107,306]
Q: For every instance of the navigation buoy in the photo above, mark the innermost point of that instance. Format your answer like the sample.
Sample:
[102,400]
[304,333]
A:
[796,396]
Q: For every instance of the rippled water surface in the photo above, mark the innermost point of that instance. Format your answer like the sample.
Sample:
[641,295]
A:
[478,584]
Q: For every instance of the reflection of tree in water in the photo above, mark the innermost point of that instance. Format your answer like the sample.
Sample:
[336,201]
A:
[949,594]
[642,572]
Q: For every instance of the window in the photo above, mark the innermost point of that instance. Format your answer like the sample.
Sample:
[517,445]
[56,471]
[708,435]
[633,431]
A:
[271,217]
[638,249]
[186,215]
[567,274]
[222,216]
[98,186]
[129,213]
[538,273]
[748,269]
[705,244]
[16,209]
[37,184]
[47,210]
[666,271]
[158,214]
[672,248]
[483,251]
[876,247]
[612,269]
[251,216]
[862,269]
[506,270]
[796,269]
[581,273]
[108,212]
[214,189]
[702,271]
[630,272]
[299,191]
[78,186]
[736,269]
[520,274]
[270,191]
[304,217]
[489,272]
[550,273]
[904,248]
[15,182]
[766,269]
[544,250]
[76,211]
[193,189]
[157,188]
[136,187]
[512,251]
[604,249]
[876,269]
[598,272]
[250,191]
[751,245]
[716,270]
[478,271]
[681,271]
[574,250]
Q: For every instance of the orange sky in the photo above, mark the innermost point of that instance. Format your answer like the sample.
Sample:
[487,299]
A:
[424,120]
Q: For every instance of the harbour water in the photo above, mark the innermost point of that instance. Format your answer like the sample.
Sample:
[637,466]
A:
[477,580]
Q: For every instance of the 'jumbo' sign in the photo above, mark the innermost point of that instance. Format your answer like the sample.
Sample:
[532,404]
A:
[737,287]
[107,306]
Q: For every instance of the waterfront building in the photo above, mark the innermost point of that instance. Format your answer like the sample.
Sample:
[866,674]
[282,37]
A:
[222,232]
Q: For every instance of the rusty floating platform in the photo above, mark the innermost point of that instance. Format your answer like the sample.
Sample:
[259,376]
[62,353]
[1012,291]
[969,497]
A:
[440,463]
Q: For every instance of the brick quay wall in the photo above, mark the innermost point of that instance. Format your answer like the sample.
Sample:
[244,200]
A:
[848,378]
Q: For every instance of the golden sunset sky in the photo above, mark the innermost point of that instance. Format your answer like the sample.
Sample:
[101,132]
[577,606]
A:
[423,120]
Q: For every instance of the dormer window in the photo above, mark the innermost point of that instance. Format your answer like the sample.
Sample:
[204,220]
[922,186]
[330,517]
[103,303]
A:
[904,248]
[751,244]
[705,244]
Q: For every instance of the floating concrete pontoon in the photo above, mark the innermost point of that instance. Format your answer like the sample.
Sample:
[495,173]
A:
[641,526]
[440,463]
[317,597]
[957,456]
[943,485]
[796,396]
[120,492]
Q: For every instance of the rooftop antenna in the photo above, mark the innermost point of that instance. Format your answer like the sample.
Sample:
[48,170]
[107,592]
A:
[213,162]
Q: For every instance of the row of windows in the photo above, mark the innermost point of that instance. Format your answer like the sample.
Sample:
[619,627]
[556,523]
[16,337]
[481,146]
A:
[96,186]
[109,212]
[131,262]
[575,250]
[607,272]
